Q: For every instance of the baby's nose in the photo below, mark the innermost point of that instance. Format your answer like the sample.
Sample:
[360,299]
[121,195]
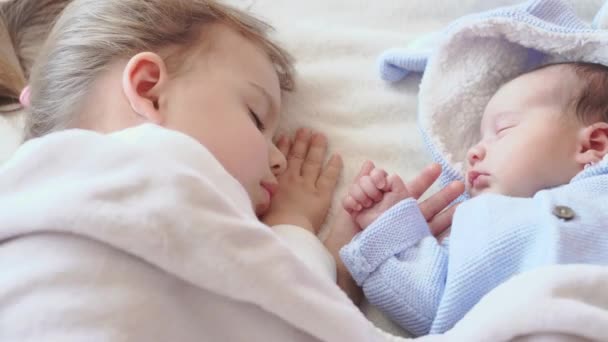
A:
[475,154]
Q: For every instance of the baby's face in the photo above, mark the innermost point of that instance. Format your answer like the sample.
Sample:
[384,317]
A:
[528,139]
[229,99]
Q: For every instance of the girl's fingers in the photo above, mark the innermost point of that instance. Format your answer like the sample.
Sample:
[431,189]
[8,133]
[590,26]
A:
[330,175]
[284,144]
[313,163]
[298,150]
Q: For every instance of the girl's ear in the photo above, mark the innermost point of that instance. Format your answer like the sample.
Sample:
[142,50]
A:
[593,143]
[143,79]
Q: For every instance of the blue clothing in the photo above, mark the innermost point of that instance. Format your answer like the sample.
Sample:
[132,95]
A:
[427,287]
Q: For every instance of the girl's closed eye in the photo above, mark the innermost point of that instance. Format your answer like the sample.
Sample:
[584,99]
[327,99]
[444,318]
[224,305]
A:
[256,119]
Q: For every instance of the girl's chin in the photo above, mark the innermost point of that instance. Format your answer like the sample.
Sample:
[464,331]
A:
[261,209]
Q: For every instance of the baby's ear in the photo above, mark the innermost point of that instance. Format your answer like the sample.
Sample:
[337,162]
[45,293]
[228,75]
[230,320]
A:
[593,143]
[143,79]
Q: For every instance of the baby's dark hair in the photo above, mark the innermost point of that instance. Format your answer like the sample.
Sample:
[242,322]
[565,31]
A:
[591,102]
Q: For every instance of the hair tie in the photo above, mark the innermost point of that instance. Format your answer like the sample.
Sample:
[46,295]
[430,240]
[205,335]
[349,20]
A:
[24,98]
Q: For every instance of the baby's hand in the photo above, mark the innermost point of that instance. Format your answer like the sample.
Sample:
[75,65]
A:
[307,185]
[372,194]
[366,202]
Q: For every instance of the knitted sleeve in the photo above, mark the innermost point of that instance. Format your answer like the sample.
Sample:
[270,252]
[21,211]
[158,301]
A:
[400,265]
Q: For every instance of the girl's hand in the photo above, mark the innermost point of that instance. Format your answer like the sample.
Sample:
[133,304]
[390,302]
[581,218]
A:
[308,184]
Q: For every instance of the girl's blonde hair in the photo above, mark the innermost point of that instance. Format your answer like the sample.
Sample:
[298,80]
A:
[91,34]
[24,25]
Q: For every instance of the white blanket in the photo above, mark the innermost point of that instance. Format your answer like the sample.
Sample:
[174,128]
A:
[143,236]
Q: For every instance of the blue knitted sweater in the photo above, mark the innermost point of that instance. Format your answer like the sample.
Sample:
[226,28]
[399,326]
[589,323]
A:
[427,287]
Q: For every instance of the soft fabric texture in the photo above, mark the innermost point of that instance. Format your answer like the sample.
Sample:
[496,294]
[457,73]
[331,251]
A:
[309,249]
[429,287]
[142,235]
[559,303]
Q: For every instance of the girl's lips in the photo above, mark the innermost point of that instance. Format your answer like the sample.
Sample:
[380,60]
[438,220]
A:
[271,188]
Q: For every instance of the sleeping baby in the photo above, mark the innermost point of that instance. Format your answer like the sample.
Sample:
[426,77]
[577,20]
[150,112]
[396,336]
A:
[538,182]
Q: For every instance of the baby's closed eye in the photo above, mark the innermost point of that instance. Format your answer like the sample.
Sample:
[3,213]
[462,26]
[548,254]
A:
[504,122]
[503,130]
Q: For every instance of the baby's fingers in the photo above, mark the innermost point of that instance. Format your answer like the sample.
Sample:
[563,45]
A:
[359,195]
[441,200]
[378,177]
[351,205]
[367,167]
[442,221]
[370,188]
[424,180]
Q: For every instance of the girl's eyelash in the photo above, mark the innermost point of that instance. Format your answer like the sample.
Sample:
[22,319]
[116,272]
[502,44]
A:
[256,119]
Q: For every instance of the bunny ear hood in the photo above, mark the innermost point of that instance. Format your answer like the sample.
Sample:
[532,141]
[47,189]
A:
[465,65]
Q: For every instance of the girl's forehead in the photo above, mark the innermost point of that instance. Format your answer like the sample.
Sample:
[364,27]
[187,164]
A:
[243,57]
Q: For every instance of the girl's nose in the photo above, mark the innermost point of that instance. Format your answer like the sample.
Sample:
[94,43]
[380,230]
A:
[278,163]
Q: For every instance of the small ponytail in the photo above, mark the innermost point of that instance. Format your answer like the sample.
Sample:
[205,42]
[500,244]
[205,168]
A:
[24,26]
[12,78]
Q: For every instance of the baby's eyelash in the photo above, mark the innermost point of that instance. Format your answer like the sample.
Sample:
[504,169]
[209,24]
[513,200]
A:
[256,119]
[503,129]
